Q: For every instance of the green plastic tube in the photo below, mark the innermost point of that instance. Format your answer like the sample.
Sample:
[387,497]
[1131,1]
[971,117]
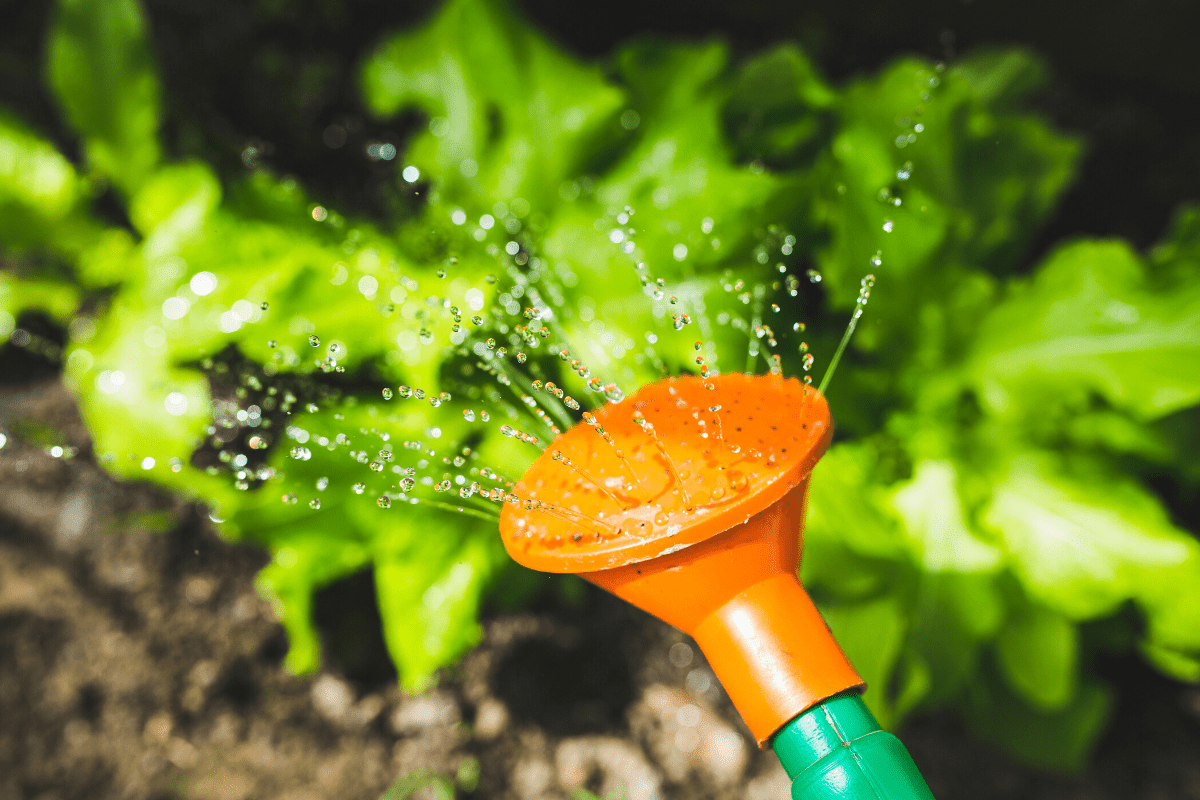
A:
[836,750]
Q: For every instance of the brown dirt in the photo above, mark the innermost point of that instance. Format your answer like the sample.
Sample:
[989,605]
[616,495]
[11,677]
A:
[141,664]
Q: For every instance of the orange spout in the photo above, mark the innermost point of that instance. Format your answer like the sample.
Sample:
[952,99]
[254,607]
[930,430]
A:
[737,595]
[706,536]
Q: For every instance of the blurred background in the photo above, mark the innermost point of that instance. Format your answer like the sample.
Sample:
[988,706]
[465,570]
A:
[1003,536]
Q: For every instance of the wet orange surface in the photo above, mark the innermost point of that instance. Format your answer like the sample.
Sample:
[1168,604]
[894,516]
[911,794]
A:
[673,473]
[688,501]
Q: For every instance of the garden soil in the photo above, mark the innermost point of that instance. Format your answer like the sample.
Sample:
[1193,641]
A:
[137,662]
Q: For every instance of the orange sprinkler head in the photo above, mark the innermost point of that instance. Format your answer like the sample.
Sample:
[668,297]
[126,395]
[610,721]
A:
[687,499]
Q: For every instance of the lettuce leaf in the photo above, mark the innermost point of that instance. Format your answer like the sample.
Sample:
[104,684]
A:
[102,72]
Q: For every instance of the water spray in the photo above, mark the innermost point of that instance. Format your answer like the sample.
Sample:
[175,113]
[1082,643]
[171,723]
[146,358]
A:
[708,539]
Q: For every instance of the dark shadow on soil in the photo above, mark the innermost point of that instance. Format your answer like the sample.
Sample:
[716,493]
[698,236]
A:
[577,682]
[347,615]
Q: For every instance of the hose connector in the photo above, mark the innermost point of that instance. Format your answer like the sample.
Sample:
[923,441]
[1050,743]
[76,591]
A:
[837,751]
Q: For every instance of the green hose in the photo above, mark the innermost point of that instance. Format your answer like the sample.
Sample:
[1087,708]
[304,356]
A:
[837,751]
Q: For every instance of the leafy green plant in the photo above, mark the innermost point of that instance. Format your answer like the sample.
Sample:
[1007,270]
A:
[979,531]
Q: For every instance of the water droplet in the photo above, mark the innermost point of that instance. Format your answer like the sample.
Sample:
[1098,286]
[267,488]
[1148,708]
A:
[314,340]
[888,225]
[315,503]
[387,393]
[386,455]
[289,499]
[426,336]
[813,276]
[301,453]
[376,466]
[384,501]
[272,343]
[407,484]
[468,415]
[359,487]
[405,392]
[265,305]
[478,320]
[322,484]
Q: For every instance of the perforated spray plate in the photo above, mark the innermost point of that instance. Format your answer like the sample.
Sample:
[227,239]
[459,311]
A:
[672,472]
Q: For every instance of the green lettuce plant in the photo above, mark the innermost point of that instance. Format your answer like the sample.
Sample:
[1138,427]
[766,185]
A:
[983,525]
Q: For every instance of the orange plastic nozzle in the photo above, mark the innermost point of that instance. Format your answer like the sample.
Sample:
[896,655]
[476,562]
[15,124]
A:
[687,499]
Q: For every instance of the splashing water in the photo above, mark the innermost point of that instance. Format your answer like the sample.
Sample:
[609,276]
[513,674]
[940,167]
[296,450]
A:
[648,427]
[520,352]
[864,294]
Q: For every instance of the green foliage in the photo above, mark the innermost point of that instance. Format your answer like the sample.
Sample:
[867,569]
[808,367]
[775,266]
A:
[516,116]
[985,512]
[38,186]
[440,787]
[1101,325]
[101,72]
[1027,416]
